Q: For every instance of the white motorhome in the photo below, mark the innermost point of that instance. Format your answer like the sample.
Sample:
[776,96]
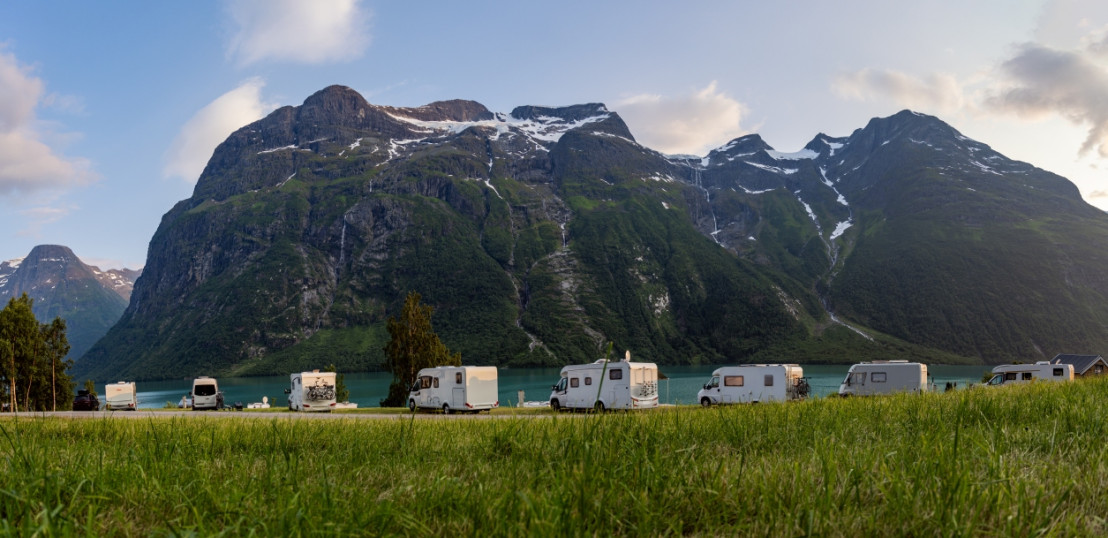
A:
[206,394]
[120,396]
[311,391]
[884,377]
[455,389]
[753,383]
[607,385]
[1025,373]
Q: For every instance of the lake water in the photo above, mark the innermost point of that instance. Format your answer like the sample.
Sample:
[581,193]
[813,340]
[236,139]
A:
[367,389]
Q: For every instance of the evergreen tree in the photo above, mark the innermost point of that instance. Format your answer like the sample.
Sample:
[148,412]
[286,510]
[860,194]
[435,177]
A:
[413,345]
[33,370]
[55,348]
[342,394]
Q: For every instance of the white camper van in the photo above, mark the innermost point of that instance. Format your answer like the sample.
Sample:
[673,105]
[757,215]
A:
[884,377]
[311,391]
[206,394]
[120,396]
[1024,373]
[455,388]
[753,383]
[607,385]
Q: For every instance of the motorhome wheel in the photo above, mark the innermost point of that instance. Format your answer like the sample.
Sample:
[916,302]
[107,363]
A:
[555,405]
[599,406]
[705,402]
[411,405]
[445,409]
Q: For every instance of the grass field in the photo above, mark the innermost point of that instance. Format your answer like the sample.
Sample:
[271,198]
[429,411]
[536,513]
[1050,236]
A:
[1014,461]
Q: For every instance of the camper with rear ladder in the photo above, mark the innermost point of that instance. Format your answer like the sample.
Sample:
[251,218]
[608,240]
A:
[607,385]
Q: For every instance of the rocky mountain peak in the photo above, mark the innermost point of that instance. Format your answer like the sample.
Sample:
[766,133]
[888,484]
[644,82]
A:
[452,110]
[90,300]
[743,146]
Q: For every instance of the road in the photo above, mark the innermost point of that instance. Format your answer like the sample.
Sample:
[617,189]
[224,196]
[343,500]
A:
[289,415]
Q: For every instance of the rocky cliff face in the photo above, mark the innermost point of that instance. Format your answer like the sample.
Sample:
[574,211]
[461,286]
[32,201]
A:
[89,299]
[541,235]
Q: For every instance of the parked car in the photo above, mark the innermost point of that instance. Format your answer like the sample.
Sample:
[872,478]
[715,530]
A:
[86,402]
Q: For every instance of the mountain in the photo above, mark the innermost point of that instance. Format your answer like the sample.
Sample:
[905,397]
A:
[88,299]
[540,235]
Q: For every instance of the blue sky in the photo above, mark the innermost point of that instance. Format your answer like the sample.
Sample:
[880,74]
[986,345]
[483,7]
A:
[109,110]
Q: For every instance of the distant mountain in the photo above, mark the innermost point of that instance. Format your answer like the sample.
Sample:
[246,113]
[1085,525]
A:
[543,234]
[90,300]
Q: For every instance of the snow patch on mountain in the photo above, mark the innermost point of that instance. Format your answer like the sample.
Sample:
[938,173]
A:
[841,228]
[544,128]
[774,169]
[794,156]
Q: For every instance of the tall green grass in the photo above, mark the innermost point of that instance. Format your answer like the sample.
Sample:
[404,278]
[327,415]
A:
[1012,461]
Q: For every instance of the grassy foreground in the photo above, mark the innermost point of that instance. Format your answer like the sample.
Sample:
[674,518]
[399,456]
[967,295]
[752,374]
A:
[1013,461]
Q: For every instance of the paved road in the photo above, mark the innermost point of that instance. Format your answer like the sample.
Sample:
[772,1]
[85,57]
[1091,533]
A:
[141,414]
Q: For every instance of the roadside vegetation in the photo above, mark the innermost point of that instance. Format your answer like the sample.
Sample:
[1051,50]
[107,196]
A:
[1023,460]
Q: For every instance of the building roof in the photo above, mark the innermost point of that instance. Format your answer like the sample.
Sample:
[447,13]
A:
[1081,363]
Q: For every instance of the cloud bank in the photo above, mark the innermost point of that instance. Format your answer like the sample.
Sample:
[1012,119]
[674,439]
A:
[692,124]
[1040,80]
[211,125]
[301,31]
[27,164]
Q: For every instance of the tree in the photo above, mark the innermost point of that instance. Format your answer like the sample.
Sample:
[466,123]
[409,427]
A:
[34,365]
[90,387]
[342,394]
[413,345]
[56,347]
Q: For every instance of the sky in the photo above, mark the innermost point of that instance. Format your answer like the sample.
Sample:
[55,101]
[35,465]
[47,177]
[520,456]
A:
[110,110]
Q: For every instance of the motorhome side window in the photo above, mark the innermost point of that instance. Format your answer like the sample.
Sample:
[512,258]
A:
[732,380]
[425,382]
[769,380]
[615,374]
[857,378]
[1058,372]
[435,383]
[878,377]
[1027,376]
[588,380]
[458,378]
[1010,376]
[574,382]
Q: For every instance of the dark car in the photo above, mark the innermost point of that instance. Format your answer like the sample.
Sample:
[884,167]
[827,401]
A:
[85,401]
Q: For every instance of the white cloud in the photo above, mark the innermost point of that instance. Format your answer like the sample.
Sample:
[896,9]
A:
[303,31]
[691,124]
[27,164]
[37,217]
[936,92]
[211,125]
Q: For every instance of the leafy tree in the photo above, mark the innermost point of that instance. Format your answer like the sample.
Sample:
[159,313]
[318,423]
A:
[90,387]
[413,345]
[34,366]
[342,394]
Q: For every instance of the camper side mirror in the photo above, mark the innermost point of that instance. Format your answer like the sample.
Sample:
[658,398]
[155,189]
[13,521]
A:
[288,391]
[707,386]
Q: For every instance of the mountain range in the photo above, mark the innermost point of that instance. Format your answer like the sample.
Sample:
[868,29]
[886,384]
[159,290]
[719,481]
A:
[540,235]
[89,299]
